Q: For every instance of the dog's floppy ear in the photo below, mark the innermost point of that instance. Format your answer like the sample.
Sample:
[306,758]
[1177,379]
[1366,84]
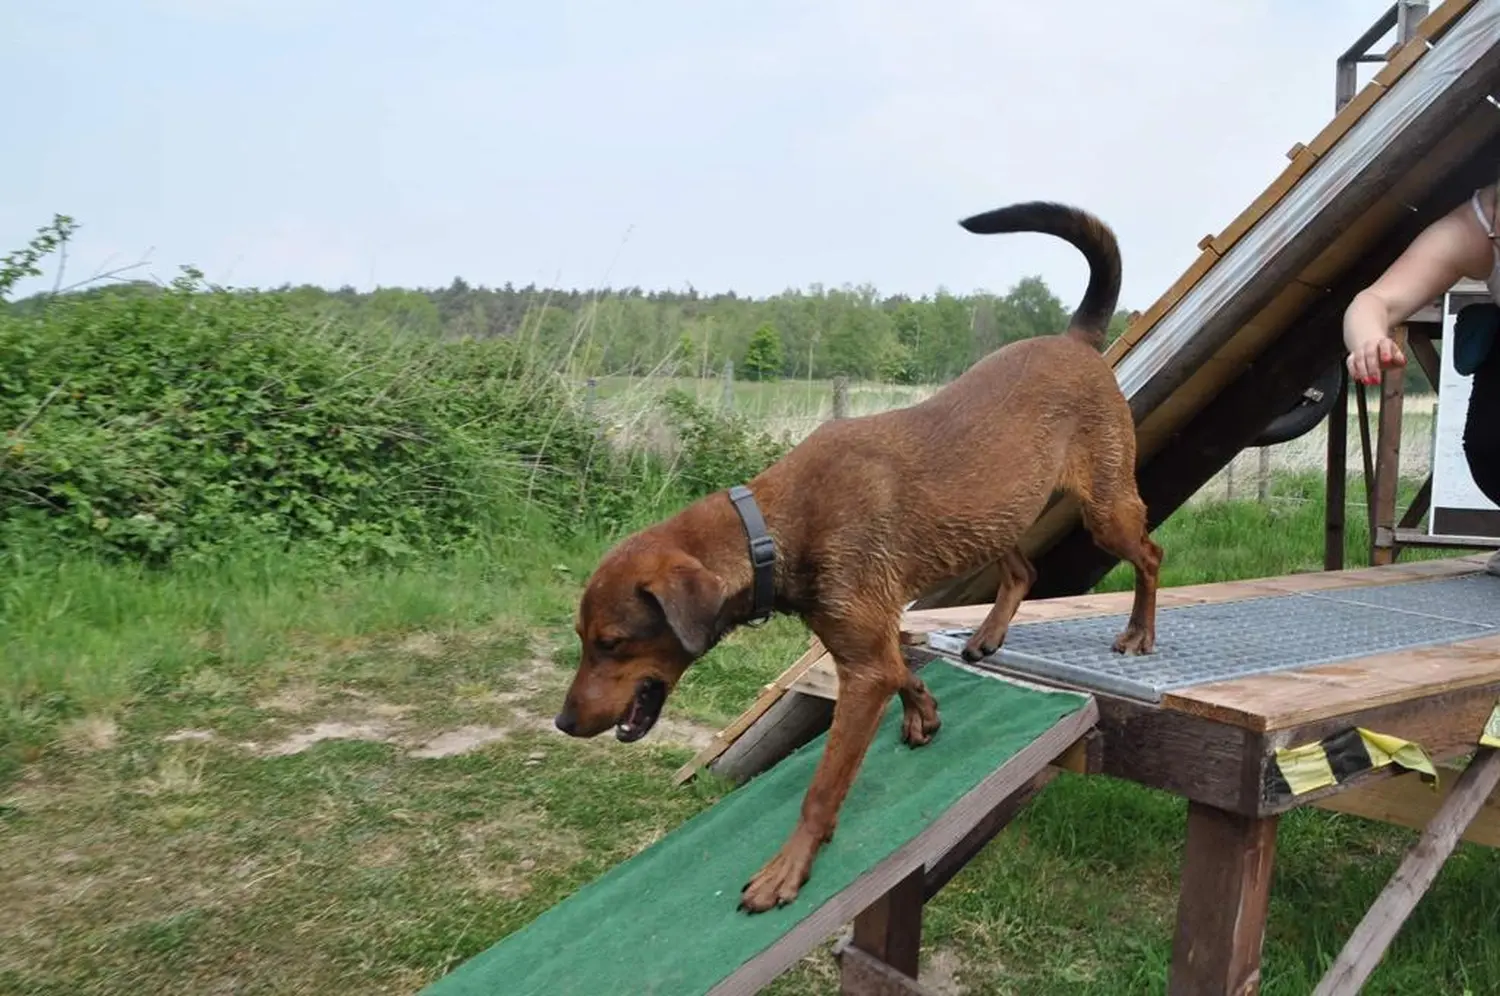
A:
[690,596]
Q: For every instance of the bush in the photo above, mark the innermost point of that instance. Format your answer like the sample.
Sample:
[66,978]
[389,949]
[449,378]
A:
[716,449]
[149,423]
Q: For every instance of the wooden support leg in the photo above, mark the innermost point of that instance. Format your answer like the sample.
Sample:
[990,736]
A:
[1221,911]
[889,931]
[1338,478]
[863,975]
[1366,946]
[950,864]
[1383,548]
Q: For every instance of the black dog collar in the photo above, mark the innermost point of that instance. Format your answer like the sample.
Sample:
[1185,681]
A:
[762,553]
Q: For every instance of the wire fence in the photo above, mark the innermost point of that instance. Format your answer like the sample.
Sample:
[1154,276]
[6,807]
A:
[794,409]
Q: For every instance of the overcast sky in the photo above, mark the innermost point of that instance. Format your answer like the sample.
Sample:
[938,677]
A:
[723,144]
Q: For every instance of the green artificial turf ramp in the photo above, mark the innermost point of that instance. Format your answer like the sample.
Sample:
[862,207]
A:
[665,922]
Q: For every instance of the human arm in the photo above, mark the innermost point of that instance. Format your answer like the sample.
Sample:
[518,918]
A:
[1454,246]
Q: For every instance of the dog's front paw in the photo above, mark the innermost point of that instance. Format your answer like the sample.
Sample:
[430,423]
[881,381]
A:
[978,648]
[779,881]
[917,729]
[1135,640]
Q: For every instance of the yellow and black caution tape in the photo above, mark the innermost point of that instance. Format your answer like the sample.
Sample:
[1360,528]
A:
[1339,756]
[1491,735]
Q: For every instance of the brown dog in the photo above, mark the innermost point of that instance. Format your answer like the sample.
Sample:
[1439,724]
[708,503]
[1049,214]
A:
[865,514]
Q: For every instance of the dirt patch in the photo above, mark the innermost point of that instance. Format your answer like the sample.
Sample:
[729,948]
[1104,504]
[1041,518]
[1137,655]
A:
[942,972]
[189,736]
[374,731]
[90,733]
[292,699]
[499,856]
[460,741]
[683,733]
[424,645]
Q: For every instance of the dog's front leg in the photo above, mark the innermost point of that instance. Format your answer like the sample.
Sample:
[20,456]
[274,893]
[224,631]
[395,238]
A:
[864,691]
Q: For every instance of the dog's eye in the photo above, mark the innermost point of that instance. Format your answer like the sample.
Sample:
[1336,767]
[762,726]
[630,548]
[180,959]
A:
[607,643]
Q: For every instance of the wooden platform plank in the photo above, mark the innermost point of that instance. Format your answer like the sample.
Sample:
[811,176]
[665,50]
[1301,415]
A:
[1289,699]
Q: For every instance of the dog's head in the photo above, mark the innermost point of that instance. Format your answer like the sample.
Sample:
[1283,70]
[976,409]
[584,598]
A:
[647,613]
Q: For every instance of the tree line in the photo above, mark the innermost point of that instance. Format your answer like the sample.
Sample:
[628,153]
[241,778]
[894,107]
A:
[817,332]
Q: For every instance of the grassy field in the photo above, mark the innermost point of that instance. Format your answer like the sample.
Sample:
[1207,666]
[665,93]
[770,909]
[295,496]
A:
[269,781]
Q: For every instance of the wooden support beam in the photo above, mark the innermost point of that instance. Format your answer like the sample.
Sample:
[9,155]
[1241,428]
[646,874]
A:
[1367,456]
[1334,513]
[1420,345]
[1388,459]
[1407,801]
[1416,509]
[770,696]
[890,929]
[862,975]
[941,871]
[1221,911]
[1367,945]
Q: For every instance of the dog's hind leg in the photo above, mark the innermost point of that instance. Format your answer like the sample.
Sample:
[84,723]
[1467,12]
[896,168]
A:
[1016,578]
[1116,518]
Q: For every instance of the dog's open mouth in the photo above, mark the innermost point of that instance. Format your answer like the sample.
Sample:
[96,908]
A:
[650,696]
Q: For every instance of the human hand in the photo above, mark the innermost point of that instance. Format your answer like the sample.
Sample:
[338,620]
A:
[1371,357]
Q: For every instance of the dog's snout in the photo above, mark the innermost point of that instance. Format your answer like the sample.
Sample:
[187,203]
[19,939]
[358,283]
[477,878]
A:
[567,721]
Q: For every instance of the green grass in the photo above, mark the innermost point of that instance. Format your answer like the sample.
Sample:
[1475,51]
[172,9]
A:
[162,832]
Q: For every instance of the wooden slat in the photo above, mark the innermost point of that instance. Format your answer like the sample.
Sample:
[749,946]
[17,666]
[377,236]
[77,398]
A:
[1289,699]
[822,680]
[1339,125]
[767,698]
[1147,320]
[1441,18]
[1405,57]
[1300,163]
[1407,801]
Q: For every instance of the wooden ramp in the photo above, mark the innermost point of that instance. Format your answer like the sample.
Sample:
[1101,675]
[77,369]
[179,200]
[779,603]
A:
[666,923]
[1255,318]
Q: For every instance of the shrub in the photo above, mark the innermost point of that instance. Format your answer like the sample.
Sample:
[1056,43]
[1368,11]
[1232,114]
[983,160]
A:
[716,449]
[149,423]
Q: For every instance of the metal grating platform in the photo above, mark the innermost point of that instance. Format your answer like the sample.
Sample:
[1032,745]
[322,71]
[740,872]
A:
[1197,644]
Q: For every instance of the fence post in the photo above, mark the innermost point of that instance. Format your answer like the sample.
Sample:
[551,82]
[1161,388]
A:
[1263,477]
[841,396]
[728,381]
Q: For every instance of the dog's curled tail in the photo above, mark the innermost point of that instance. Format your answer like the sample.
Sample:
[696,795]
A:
[1084,232]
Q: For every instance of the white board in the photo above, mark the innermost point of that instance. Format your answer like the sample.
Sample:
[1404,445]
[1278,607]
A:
[1453,489]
